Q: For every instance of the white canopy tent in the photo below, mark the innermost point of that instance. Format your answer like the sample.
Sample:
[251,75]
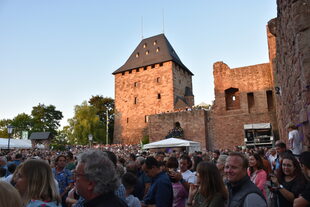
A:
[15,143]
[174,142]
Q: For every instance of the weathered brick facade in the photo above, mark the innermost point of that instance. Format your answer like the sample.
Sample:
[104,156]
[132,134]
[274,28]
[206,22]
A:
[276,92]
[292,65]
[160,86]
[194,123]
[242,96]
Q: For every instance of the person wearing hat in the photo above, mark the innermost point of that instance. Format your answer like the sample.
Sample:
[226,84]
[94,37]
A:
[294,139]
[304,198]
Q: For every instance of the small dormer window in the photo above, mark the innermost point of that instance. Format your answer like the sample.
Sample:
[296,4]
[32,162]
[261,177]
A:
[144,46]
[155,42]
[147,52]
[157,49]
[137,55]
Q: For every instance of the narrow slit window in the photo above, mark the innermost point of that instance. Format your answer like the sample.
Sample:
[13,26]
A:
[269,100]
[158,96]
[251,103]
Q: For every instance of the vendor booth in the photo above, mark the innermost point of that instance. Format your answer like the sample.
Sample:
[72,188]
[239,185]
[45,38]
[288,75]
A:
[191,146]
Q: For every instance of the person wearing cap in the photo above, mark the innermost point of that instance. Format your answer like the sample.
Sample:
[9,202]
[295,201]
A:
[304,198]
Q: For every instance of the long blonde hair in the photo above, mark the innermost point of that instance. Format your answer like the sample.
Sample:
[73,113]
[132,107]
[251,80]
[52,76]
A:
[40,182]
[9,196]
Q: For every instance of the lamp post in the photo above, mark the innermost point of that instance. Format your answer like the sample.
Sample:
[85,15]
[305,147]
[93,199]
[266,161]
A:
[10,131]
[107,127]
[90,138]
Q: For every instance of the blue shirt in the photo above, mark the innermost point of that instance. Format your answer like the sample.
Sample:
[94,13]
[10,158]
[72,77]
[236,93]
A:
[160,192]
[38,203]
[64,178]
[121,192]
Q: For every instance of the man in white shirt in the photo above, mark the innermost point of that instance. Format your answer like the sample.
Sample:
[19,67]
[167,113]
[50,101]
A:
[272,157]
[185,176]
[295,141]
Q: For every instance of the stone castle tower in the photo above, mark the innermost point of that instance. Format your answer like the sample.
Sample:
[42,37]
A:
[153,80]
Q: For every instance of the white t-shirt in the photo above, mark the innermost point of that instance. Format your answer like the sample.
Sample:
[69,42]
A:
[271,159]
[188,176]
[297,142]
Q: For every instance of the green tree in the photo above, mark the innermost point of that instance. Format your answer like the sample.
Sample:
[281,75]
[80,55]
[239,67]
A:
[22,122]
[85,122]
[103,106]
[46,118]
[3,127]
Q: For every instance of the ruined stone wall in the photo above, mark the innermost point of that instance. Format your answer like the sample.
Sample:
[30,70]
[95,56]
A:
[194,124]
[292,70]
[240,98]
[137,96]
[181,80]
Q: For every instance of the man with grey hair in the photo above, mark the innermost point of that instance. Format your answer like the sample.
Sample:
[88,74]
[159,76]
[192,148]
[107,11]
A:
[96,180]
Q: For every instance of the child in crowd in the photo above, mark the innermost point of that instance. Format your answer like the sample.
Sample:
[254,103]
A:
[129,180]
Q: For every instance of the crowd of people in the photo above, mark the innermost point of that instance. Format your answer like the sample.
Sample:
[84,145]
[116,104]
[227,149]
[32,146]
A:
[125,175]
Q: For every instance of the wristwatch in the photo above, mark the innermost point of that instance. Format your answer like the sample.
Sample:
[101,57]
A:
[280,187]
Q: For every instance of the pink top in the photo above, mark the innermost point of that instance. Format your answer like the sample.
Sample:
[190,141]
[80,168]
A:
[259,178]
[180,195]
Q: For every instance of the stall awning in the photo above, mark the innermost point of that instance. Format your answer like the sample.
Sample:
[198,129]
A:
[258,126]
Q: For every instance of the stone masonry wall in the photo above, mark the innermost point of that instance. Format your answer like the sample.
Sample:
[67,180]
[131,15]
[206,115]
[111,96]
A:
[292,70]
[194,124]
[181,79]
[142,87]
[227,124]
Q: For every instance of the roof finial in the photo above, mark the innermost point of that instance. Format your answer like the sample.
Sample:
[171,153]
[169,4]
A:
[142,27]
[163,21]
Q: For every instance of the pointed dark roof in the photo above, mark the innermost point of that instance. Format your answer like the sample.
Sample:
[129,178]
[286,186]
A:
[150,51]
[40,135]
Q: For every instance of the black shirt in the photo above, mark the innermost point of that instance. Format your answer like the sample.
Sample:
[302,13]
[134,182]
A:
[296,186]
[106,200]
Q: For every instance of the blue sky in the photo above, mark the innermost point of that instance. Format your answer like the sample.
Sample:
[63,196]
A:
[61,52]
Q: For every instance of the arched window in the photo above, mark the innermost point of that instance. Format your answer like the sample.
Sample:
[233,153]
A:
[232,98]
